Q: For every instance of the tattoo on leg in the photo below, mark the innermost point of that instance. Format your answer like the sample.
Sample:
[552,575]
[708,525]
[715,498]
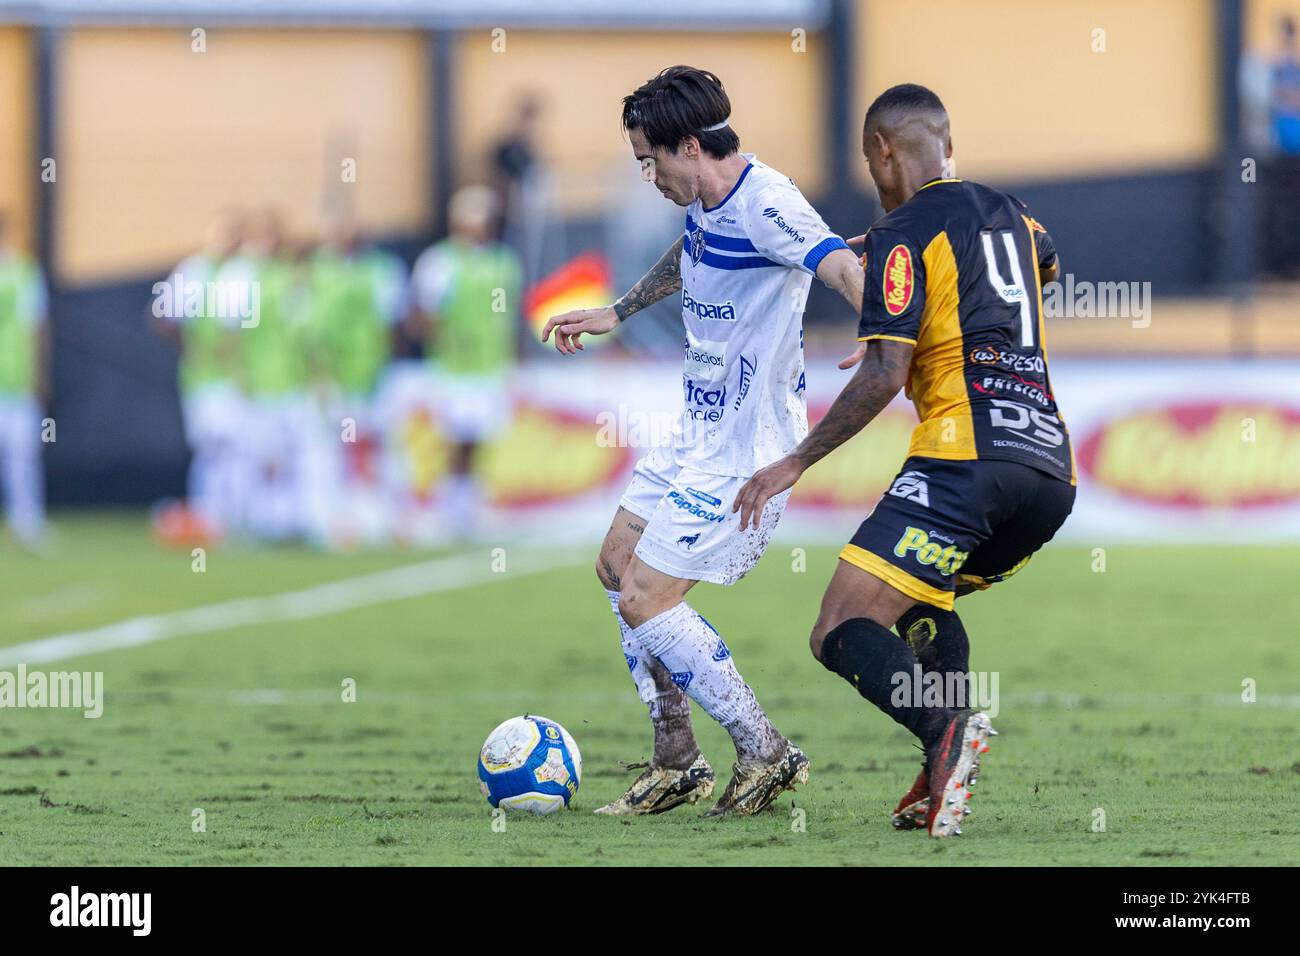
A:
[638,528]
[610,575]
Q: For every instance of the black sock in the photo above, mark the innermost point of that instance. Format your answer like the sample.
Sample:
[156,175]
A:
[937,638]
[869,656]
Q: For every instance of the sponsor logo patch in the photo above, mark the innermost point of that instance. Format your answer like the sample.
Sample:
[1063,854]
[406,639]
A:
[707,499]
[1041,427]
[946,560]
[1011,384]
[690,507]
[705,360]
[771,212]
[913,486]
[983,355]
[747,369]
[704,404]
[899,280]
[708,311]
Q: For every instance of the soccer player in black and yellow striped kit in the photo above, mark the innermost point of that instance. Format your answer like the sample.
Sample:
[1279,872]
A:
[952,309]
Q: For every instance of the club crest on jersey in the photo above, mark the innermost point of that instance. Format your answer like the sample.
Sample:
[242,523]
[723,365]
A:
[697,244]
[899,280]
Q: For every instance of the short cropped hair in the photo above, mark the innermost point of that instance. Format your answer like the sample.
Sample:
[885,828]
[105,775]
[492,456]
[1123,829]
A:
[900,101]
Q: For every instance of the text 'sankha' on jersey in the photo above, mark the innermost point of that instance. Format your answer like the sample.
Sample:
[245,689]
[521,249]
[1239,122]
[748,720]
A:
[954,272]
[747,264]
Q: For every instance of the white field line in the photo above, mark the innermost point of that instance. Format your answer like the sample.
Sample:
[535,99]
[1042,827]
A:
[334,597]
[1096,703]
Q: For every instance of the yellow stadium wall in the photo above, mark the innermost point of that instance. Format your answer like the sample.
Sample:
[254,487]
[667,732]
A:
[19,170]
[581,79]
[154,139]
[1041,104]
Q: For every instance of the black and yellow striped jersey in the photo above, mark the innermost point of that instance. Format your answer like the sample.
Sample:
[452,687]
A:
[954,272]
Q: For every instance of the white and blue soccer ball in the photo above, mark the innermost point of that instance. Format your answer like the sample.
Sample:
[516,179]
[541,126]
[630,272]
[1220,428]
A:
[530,763]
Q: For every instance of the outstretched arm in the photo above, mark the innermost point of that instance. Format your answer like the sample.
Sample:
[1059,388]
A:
[882,373]
[663,279]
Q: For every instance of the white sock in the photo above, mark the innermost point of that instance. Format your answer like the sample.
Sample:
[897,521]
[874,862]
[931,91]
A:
[637,663]
[701,664]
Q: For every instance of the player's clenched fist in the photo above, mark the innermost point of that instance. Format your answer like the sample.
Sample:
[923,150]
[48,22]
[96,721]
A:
[569,326]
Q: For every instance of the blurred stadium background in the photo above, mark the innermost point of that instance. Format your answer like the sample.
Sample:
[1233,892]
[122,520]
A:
[1156,141]
[319,147]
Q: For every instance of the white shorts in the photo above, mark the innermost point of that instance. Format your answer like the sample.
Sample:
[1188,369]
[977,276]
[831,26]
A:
[474,409]
[691,531]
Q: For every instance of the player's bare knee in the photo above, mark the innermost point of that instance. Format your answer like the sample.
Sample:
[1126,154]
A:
[825,624]
[815,641]
[632,606]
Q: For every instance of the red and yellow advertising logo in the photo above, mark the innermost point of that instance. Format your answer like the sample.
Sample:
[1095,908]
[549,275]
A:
[1199,455]
[898,280]
[546,456]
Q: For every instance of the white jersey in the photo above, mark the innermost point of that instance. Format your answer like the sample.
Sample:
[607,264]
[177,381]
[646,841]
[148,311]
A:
[747,265]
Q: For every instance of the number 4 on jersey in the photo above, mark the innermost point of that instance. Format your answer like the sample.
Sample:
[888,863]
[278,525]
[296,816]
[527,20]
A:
[1012,292]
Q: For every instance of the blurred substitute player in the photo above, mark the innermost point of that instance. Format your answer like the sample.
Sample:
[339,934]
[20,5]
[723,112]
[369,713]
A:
[268,279]
[466,293]
[24,388]
[953,311]
[192,310]
[744,265]
[356,294]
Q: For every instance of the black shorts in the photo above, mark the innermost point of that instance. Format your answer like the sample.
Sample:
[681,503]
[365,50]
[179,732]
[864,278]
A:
[945,523]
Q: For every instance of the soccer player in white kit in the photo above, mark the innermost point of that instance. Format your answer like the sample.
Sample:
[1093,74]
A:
[744,265]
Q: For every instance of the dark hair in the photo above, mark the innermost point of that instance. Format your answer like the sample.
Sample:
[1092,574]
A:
[899,101]
[681,101]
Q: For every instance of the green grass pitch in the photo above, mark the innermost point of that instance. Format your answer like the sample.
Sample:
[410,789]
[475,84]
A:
[1120,703]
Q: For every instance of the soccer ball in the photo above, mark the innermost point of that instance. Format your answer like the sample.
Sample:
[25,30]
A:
[530,763]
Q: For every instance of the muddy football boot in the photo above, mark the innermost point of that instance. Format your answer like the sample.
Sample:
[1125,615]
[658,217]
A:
[754,785]
[661,788]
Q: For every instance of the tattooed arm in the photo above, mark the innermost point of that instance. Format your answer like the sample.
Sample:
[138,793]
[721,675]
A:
[663,279]
[882,373]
